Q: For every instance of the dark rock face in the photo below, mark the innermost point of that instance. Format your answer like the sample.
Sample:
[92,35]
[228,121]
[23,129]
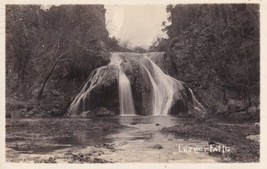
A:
[101,91]
[179,107]
[106,93]
[141,86]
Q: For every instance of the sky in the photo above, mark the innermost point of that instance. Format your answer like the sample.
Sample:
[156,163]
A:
[139,25]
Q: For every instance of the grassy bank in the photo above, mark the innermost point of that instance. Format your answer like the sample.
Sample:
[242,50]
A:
[229,134]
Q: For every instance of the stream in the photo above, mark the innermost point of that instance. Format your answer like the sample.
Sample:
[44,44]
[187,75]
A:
[139,141]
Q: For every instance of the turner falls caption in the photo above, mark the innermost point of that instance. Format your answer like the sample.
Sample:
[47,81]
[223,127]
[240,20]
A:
[167,96]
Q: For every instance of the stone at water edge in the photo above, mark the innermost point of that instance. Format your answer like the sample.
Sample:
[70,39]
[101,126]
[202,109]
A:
[103,112]
[157,146]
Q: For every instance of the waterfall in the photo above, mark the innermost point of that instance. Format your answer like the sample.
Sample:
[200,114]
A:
[163,87]
[161,94]
[126,98]
[80,104]
[125,90]
[156,98]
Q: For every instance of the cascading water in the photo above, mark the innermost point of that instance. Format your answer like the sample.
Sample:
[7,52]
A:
[125,90]
[165,93]
[163,87]
[79,104]
[126,98]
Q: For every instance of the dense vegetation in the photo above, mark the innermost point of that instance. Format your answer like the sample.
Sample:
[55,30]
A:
[215,49]
[51,52]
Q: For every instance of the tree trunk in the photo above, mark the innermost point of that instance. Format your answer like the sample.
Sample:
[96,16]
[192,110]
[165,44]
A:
[45,81]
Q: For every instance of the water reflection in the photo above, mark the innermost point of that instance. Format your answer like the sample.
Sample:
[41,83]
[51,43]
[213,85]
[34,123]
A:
[161,120]
[85,138]
[136,128]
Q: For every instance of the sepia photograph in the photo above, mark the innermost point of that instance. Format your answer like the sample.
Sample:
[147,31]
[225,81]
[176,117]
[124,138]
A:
[132,83]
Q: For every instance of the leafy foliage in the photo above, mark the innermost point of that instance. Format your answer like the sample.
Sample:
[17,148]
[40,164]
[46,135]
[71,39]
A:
[159,45]
[216,45]
[116,45]
[54,44]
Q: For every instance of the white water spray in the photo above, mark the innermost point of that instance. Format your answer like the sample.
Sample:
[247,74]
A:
[125,90]
[163,87]
[80,103]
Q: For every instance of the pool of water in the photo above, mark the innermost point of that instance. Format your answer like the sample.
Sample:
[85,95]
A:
[135,142]
[138,128]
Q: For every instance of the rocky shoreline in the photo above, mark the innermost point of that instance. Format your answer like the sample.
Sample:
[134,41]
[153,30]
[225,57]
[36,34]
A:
[237,136]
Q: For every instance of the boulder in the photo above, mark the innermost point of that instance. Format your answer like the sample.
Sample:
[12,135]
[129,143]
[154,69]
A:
[235,105]
[56,112]
[101,90]
[103,112]
[157,146]
[105,93]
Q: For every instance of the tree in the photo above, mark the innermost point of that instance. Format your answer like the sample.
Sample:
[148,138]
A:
[216,45]
[159,45]
[38,41]
[113,44]
[22,39]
